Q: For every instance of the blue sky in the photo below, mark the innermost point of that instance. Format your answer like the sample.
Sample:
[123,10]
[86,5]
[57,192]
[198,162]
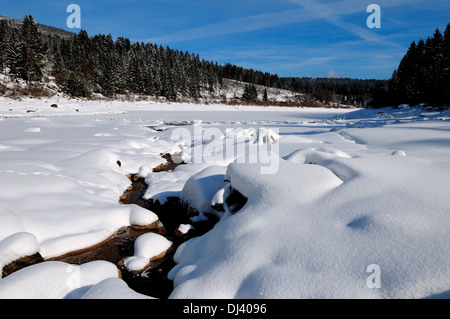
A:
[314,38]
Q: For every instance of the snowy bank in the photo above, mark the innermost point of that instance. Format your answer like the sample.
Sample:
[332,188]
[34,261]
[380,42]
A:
[345,215]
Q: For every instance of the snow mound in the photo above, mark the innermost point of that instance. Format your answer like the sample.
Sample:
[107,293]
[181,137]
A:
[316,156]
[17,246]
[11,222]
[398,153]
[33,130]
[185,228]
[304,233]
[311,181]
[146,247]
[112,288]
[55,280]
[170,184]
[142,217]
[199,190]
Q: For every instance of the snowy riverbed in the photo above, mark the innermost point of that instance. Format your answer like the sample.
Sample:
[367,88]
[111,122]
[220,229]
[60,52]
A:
[355,203]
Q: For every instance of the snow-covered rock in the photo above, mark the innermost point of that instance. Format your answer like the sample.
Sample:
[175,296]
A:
[183,229]
[17,246]
[147,248]
[142,217]
[112,288]
[55,280]
[199,190]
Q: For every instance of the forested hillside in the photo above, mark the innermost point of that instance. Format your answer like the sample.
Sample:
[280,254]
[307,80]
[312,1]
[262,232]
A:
[81,65]
[423,75]
[345,91]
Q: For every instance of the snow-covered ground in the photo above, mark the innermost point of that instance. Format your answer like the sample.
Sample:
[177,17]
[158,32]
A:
[348,204]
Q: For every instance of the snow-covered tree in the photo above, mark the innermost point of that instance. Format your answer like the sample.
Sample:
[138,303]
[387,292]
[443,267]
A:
[32,50]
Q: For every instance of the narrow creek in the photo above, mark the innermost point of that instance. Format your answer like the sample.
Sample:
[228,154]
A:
[153,281]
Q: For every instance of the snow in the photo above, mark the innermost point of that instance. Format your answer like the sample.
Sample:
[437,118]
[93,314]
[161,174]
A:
[55,280]
[185,228]
[17,246]
[199,189]
[348,189]
[112,288]
[146,247]
[142,217]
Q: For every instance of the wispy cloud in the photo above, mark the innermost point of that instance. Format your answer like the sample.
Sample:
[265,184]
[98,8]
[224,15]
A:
[327,13]
[310,10]
[252,23]
[237,25]
[354,49]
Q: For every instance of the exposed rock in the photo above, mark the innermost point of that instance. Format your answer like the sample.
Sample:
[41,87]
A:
[113,249]
[54,105]
[218,207]
[235,201]
[172,162]
[148,249]
[151,264]
[183,229]
[134,194]
[21,263]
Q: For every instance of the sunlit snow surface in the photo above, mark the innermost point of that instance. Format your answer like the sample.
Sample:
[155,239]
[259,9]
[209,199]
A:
[351,189]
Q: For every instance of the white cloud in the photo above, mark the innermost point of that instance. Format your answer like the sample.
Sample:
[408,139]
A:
[310,10]
[333,75]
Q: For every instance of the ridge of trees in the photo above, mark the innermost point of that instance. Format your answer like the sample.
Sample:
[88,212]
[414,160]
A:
[423,75]
[83,65]
[355,92]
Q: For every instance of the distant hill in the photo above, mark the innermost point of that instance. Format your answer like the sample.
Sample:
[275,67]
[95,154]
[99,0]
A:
[99,66]
[44,29]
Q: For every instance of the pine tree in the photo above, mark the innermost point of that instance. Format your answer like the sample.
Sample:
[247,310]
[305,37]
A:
[13,54]
[82,64]
[250,93]
[59,70]
[33,50]
[136,82]
[434,60]
[3,31]
[75,86]
[406,74]
[423,74]
[446,66]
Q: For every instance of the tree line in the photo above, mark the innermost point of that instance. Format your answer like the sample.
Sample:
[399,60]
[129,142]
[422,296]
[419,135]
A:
[355,92]
[82,65]
[423,75]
